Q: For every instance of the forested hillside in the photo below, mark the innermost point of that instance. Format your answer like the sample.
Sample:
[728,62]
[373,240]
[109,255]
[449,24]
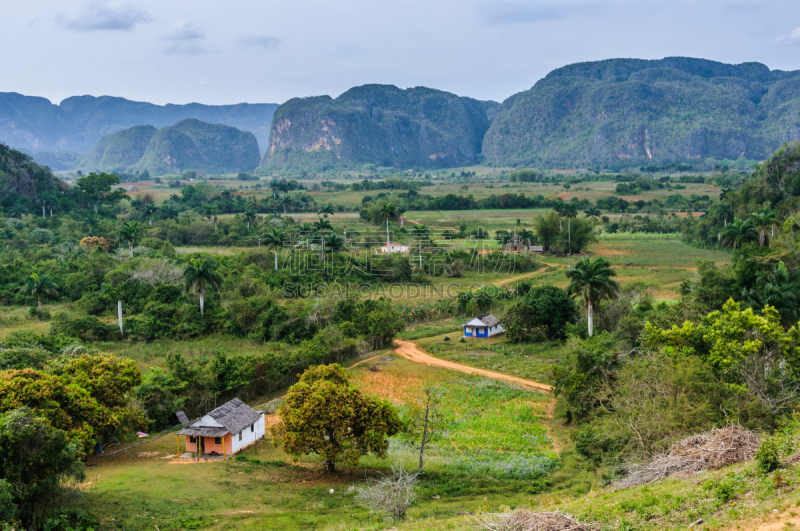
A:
[77,123]
[378,124]
[189,144]
[629,111]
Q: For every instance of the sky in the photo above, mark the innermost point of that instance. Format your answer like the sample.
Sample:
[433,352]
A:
[268,51]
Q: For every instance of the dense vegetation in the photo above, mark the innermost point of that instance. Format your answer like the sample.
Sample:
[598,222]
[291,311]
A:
[188,145]
[626,112]
[377,124]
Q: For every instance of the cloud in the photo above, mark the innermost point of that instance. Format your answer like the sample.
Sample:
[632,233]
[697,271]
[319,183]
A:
[792,39]
[187,32]
[99,16]
[506,12]
[267,43]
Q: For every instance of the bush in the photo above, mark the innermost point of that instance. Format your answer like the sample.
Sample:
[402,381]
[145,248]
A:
[85,328]
[768,456]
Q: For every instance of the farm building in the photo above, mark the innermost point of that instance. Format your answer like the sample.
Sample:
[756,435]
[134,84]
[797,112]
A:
[483,326]
[224,431]
[392,247]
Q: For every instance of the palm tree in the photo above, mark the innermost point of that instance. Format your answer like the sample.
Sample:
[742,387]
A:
[763,220]
[129,232]
[326,210]
[168,211]
[274,240]
[526,237]
[593,212]
[724,192]
[249,215]
[570,211]
[558,207]
[149,211]
[201,276]
[400,211]
[724,213]
[286,201]
[504,238]
[320,227]
[387,212]
[37,285]
[738,233]
[591,280]
[780,289]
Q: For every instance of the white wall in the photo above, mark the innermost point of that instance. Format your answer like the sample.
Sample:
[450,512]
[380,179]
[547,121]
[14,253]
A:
[496,329]
[249,437]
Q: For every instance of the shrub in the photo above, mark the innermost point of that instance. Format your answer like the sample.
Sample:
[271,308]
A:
[768,456]
[391,495]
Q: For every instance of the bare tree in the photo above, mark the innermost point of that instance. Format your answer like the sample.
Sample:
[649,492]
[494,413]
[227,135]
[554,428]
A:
[391,495]
[425,417]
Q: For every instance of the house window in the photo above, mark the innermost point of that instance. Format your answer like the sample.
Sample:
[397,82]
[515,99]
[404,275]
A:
[240,436]
[192,439]
[252,427]
[217,440]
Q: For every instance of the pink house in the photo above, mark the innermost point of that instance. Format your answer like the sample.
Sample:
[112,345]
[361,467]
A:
[224,431]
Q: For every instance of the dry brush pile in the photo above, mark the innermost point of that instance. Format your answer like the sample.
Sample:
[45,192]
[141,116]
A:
[531,521]
[712,450]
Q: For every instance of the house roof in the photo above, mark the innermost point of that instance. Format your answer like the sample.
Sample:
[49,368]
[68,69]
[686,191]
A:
[234,417]
[486,319]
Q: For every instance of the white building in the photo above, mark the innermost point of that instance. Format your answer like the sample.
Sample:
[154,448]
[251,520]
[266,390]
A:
[224,431]
[393,247]
[483,326]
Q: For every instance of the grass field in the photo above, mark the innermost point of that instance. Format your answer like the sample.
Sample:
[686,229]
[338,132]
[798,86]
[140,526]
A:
[490,454]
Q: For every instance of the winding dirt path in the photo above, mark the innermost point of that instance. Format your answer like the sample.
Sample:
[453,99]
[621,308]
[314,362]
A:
[411,351]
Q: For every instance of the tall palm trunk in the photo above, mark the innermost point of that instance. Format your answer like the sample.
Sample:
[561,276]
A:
[569,234]
[119,315]
[388,250]
[150,221]
[215,224]
[43,212]
[591,319]
[39,302]
[130,248]
[276,259]
[202,300]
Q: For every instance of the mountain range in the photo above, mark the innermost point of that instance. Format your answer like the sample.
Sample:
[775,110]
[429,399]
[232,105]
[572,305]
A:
[76,124]
[613,112]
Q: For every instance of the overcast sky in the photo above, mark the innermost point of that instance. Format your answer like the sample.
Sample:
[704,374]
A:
[267,51]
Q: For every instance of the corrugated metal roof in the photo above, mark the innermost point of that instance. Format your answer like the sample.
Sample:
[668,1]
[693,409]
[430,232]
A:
[235,415]
[204,432]
[486,319]
[182,418]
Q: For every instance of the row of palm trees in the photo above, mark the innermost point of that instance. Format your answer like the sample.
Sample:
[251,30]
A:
[756,227]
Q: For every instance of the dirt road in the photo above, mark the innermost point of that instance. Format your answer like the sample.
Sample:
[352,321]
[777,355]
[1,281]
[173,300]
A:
[411,351]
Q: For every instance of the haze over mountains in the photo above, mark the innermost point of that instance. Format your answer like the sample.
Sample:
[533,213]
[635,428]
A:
[77,123]
[614,112]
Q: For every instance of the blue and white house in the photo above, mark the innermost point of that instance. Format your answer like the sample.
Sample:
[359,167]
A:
[482,327]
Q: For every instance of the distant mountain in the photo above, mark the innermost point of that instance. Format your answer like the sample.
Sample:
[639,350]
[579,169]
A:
[379,124]
[188,145]
[77,123]
[637,111]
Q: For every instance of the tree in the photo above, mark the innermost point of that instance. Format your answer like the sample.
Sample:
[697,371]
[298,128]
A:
[763,220]
[779,289]
[286,201]
[129,233]
[569,211]
[591,280]
[593,213]
[249,215]
[326,210]
[504,238]
[37,285]
[547,229]
[400,211]
[724,213]
[546,310]
[168,211]
[97,189]
[274,241]
[387,211]
[149,211]
[34,459]
[424,418]
[739,233]
[201,276]
[325,414]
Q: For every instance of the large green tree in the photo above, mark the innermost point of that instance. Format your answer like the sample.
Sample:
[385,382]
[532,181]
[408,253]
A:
[591,281]
[325,414]
[129,232]
[97,189]
[543,312]
[35,458]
